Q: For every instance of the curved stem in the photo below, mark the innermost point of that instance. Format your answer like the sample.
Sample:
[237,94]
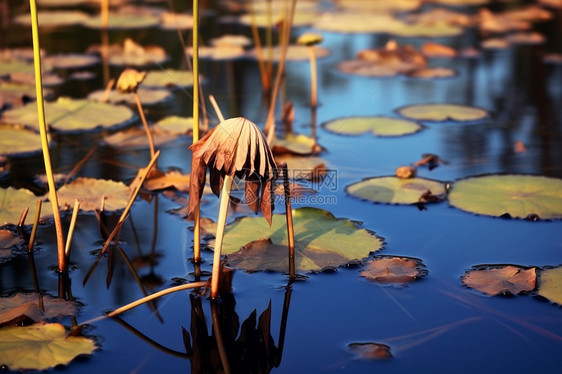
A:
[145,125]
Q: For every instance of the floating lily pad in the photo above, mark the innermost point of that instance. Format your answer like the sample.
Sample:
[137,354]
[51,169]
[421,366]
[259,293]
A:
[9,240]
[442,112]
[377,125]
[431,73]
[171,179]
[16,94]
[517,196]
[321,242]
[297,144]
[504,280]
[263,20]
[550,285]
[40,346]
[135,138]
[124,21]
[393,269]
[14,201]
[460,2]
[17,141]
[380,6]
[73,115]
[175,125]
[89,191]
[71,61]
[294,53]
[35,307]
[168,78]
[176,21]
[10,67]
[393,190]
[53,18]
[365,22]
[147,96]
[132,54]
[370,351]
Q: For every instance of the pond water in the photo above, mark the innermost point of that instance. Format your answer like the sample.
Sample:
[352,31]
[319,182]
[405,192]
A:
[433,325]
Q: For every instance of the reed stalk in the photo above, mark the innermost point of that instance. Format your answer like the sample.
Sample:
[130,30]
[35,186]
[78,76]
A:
[221,223]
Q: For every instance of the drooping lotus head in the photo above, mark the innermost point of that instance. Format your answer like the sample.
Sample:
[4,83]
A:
[235,147]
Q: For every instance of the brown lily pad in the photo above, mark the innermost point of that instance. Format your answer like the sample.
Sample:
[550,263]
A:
[370,351]
[33,306]
[393,269]
[90,191]
[500,279]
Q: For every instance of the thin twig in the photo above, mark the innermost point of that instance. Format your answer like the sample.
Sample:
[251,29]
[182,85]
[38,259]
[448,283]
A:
[71,228]
[23,216]
[35,224]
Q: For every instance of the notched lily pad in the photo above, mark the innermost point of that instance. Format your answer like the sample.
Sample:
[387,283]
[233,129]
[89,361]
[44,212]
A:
[394,269]
[377,125]
[40,346]
[500,279]
[73,115]
[516,196]
[321,242]
[370,351]
[394,190]
[90,191]
[550,285]
[442,112]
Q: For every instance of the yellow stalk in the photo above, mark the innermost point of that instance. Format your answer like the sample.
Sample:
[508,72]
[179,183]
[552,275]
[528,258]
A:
[62,264]
[71,228]
[195,43]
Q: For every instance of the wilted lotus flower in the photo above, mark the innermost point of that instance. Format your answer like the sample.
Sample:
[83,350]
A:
[129,80]
[234,148]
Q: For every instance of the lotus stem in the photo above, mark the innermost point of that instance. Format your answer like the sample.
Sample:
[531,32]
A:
[216,108]
[23,216]
[221,223]
[62,264]
[105,39]
[218,337]
[269,127]
[313,91]
[145,125]
[195,43]
[71,228]
[35,225]
[289,216]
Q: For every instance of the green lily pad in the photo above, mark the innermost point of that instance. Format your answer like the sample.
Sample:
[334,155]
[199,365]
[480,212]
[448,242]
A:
[40,346]
[53,18]
[73,115]
[168,78]
[89,191]
[175,125]
[297,144]
[10,67]
[442,112]
[16,94]
[321,242]
[263,20]
[517,196]
[393,190]
[14,201]
[377,125]
[294,53]
[147,96]
[17,141]
[550,285]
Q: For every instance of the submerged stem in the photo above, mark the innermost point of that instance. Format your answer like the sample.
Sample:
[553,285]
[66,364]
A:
[289,216]
[221,223]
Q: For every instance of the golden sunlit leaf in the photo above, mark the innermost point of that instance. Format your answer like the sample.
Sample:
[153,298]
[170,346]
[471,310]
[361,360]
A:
[34,307]
[89,191]
[442,112]
[14,201]
[505,280]
[393,190]
[40,346]
[550,285]
[377,125]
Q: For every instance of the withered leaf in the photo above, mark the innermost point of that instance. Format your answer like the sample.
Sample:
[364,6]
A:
[370,351]
[505,280]
[392,269]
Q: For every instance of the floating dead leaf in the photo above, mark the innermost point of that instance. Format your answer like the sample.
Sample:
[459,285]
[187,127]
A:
[171,179]
[497,23]
[132,54]
[460,3]
[89,191]
[59,18]
[405,172]
[495,43]
[441,15]
[370,351]
[430,73]
[432,49]
[9,240]
[379,6]
[393,269]
[504,280]
[294,53]
[530,13]
[34,307]
[176,21]
[40,346]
